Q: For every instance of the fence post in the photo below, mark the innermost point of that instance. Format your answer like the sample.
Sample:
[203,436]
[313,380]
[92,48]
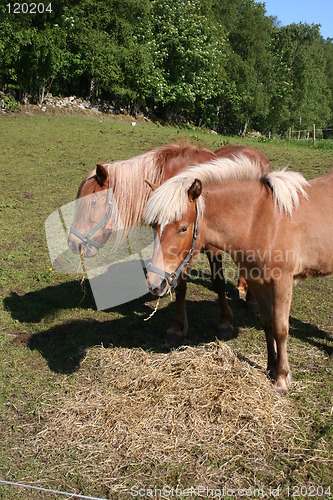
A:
[314,133]
[289,133]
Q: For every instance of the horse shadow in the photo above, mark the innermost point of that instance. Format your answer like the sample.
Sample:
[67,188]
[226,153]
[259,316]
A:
[33,307]
[64,345]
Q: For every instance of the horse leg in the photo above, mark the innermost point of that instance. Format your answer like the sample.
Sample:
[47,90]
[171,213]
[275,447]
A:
[179,326]
[282,295]
[274,308]
[264,299]
[225,329]
[251,304]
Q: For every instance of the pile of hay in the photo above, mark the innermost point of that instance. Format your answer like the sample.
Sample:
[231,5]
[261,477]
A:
[194,416]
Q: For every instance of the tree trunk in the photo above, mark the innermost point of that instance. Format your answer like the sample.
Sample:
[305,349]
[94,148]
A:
[41,94]
[91,89]
[245,129]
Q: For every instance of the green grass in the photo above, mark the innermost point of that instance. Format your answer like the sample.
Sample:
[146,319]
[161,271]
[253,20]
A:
[49,322]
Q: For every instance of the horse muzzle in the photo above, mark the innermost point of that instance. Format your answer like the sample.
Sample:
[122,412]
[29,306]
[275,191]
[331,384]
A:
[160,289]
[78,246]
[160,282]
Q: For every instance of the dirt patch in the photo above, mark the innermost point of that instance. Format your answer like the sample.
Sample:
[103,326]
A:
[21,338]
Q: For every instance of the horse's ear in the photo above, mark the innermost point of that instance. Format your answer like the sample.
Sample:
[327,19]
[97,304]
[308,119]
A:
[195,190]
[101,174]
[151,185]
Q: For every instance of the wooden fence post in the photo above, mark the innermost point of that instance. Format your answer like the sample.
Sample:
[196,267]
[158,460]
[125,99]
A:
[314,133]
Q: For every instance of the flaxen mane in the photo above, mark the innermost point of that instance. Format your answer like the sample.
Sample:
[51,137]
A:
[170,200]
[130,192]
[126,178]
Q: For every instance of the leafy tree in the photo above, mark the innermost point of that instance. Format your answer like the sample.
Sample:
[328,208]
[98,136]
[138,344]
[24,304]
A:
[33,50]
[188,59]
[109,58]
[300,73]
[328,53]
[249,62]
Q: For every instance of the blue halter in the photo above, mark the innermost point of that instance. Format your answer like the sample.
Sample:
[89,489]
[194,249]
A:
[172,278]
[86,238]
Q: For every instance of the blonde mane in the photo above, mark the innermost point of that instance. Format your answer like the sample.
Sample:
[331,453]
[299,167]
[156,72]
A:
[126,178]
[170,200]
[286,187]
[130,192]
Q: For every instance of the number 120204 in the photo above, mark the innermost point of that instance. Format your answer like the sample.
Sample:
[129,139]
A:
[29,8]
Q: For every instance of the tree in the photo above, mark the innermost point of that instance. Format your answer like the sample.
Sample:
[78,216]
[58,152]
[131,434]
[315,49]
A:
[104,41]
[301,95]
[33,51]
[188,59]
[328,53]
[246,93]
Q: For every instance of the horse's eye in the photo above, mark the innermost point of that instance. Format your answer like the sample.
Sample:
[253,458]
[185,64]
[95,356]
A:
[92,204]
[182,229]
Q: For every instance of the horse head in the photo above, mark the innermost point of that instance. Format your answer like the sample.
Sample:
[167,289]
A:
[174,244]
[92,225]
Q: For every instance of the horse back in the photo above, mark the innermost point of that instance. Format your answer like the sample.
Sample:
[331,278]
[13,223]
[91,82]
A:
[253,154]
[313,221]
[174,158]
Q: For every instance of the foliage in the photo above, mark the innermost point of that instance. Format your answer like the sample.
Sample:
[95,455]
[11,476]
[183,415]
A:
[249,63]
[220,64]
[301,61]
[328,53]
[8,103]
[188,58]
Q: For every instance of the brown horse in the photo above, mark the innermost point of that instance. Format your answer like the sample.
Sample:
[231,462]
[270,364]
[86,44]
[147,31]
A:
[89,233]
[276,227]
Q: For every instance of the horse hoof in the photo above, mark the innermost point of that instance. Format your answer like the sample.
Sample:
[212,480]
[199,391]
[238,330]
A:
[174,336]
[173,341]
[176,332]
[283,391]
[281,384]
[225,332]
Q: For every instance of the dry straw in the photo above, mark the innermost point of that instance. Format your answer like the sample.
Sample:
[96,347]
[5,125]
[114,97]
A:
[194,416]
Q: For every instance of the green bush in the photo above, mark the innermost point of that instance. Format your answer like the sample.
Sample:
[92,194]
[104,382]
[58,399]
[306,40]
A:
[8,103]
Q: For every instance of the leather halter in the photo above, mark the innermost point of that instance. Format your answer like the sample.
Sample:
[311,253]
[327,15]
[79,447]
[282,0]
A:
[86,238]
[172,278]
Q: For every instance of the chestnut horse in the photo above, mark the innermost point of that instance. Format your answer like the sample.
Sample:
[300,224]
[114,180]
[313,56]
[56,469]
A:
[275,226]
[131,194]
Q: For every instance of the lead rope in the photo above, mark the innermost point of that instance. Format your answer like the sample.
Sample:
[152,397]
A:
[83,279]
[157,304]
[83,267]
[154,311]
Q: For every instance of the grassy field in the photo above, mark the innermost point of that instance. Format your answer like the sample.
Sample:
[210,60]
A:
[91,402]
